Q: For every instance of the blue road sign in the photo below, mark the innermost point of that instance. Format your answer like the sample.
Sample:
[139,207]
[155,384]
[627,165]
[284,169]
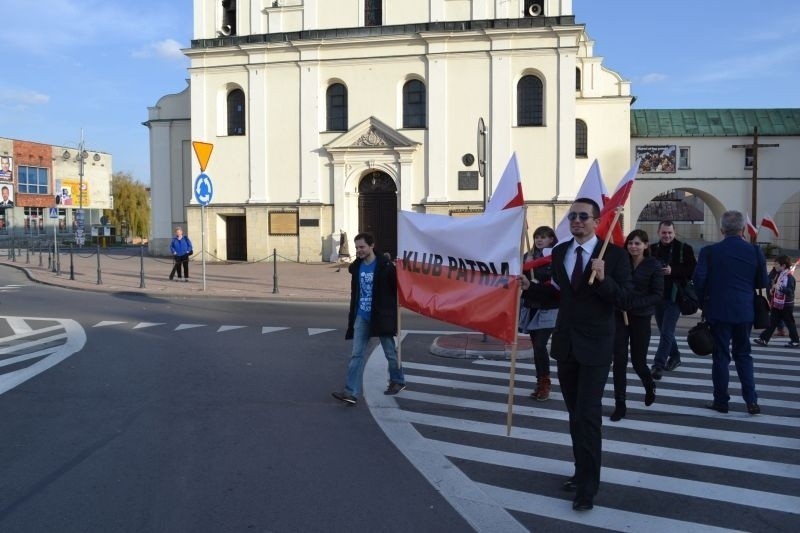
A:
[203,189]
[53,212]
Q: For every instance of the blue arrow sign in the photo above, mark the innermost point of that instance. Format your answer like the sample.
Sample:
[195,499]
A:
[203,189]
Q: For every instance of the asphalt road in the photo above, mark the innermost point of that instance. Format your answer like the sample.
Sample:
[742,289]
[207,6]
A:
[194,414]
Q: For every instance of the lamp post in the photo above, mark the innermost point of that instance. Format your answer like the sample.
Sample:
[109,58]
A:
[82,155]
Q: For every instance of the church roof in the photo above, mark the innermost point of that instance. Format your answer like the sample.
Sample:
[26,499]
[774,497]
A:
[714,122]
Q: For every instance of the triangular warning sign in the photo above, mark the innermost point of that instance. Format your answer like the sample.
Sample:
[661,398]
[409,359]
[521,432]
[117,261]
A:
[203,152]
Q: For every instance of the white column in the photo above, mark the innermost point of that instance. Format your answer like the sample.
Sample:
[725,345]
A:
[437,89]
[257,138]
[310,14]
[339,201]
[309,131]
[500,114]
[564,92]
[406,179]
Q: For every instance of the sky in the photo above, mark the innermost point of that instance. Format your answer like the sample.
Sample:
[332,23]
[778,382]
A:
[97,65]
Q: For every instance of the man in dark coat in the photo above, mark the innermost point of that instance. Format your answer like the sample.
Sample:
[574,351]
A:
[373,313]
[583,338]
[727,275]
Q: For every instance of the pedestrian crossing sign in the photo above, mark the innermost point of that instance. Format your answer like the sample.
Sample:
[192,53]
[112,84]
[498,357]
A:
[53,212]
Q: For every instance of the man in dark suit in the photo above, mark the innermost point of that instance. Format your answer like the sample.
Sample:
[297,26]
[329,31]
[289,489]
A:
[583,338]
[726,277]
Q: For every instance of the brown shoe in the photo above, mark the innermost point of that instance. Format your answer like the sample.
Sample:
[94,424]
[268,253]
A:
[542,392]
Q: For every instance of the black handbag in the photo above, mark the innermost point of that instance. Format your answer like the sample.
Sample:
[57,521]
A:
[699,338]
[760,311]
[687,299]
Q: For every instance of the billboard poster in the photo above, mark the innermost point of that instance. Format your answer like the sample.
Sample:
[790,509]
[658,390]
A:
[656,158]
[70,193]
[6,168]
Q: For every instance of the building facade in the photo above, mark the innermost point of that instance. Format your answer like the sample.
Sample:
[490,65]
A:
[33,175]
[327,116]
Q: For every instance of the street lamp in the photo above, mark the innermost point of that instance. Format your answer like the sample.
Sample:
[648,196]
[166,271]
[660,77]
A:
[82,155]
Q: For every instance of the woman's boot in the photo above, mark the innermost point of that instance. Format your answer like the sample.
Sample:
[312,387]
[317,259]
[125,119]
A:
[542,392]
[619,410]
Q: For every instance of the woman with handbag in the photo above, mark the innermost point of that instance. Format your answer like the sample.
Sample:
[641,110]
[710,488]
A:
[540,306]
[781,304]
[633,319]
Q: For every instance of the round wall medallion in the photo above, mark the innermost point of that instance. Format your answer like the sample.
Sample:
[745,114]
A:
[468,159]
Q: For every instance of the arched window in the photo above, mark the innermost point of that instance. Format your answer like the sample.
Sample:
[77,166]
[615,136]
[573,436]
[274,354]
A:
[236,112]
[373,12]
[414,112]
[530,101]
[577,79]
[336,97]
[581,139]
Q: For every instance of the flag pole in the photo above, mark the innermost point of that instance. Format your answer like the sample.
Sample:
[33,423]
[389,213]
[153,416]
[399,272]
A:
[617,213]
[512,373]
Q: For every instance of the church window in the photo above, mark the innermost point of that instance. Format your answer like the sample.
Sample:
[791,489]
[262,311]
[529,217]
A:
[373,13]
[530,101]
[236,112]
[336,97]
[581,139]
[414,112]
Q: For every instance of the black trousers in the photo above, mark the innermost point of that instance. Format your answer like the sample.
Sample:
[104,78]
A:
[637,332]
[541,357]
[582,387]
[176,268]
[775,317]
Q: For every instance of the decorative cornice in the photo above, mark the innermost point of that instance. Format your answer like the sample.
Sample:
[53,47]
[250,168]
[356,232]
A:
[371,138]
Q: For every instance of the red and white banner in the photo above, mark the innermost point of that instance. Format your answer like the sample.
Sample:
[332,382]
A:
[462,270]
[618,199]
[768,223]
[508,193]
[592,187]
[752,231]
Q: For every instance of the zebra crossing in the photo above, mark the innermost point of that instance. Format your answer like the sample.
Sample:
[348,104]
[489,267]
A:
[673,466]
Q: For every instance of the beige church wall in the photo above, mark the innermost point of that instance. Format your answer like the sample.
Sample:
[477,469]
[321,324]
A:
[409,12]
[283,134]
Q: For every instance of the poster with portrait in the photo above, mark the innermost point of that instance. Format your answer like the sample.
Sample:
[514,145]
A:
[6,195]
[656,158]
[69,190]
[6,169]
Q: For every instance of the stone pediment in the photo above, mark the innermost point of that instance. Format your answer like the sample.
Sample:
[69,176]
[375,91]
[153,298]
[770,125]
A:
[371,134]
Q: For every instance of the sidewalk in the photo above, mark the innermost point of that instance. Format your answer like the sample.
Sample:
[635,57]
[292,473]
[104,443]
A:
[121,271]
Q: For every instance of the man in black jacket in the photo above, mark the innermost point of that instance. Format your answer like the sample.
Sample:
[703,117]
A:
[583,338]
[679,262]
[373,313]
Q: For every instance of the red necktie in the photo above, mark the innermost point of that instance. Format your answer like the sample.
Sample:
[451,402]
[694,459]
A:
[577,272]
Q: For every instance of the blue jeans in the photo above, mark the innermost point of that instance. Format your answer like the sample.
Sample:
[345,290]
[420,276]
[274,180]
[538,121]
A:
[667,314]
[355,369]
[732,340]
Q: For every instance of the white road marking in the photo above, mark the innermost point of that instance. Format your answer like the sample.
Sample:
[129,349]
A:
[189,326]
[229,328]
[30,333]
[19,325]
[107,323]
[36,342]
[317,331]
[142,325]
[75,341]
[268,329]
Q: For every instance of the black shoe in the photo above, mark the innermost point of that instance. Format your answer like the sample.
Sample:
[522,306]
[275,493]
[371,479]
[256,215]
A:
[345,397]
[582,503]
[760,341]
[717,407]
[569,485]
[649,395]
[394,388]
[753,408]
[619,412]
[656,373]
[792,344]
[672,364]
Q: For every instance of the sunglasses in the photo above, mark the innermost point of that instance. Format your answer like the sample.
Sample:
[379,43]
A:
[583,215]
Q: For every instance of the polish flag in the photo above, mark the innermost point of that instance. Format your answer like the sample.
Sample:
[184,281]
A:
[508,193]
[618,199]
[752,231]
[768,223]
[592,187]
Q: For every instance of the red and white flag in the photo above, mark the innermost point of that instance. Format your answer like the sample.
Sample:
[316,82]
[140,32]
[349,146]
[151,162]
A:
[592,187]
[752,231]
[462,270]
[768,223]
[618,199]
[508,193]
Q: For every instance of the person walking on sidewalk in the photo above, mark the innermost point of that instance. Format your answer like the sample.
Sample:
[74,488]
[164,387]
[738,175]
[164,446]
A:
[727,275]
[781,304]
[543,308]
[679,262]
[373,313]
[648,290]
[181,248]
